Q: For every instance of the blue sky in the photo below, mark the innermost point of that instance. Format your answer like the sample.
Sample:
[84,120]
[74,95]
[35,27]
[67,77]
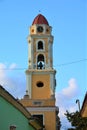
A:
[68,19]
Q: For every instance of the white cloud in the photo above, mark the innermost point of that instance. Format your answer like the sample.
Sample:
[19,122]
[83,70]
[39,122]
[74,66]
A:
[65,100]
[13,66]
[72,89]
[12,81]
[3,77]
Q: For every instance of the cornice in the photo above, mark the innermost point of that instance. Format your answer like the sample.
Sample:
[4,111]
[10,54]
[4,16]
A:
[41,36]
[41,109]
[36,71]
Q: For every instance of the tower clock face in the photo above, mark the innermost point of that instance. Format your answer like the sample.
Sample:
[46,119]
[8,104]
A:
[40,29]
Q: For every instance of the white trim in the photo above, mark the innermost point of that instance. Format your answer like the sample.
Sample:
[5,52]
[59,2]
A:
[30,52]
[37,71]
[50,52]
[52,83]
[32,55]
[41,109]
[29,55]
[28,84]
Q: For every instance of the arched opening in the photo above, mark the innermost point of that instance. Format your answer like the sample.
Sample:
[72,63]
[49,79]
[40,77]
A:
[40,62]
[40,45]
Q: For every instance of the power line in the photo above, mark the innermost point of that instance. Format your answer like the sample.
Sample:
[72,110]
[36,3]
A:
[13,69]
[73,62]
[63,64]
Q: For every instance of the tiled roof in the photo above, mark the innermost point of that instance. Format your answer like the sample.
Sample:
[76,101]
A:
[40,19]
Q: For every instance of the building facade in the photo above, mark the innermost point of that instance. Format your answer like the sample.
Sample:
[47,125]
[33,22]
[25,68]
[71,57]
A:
[13,115]
[84,107]
[40,75]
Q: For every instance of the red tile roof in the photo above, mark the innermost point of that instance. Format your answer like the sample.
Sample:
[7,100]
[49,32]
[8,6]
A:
[40,19]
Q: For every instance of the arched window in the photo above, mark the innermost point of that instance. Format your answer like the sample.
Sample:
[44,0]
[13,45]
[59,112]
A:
[40,45]
[40,62]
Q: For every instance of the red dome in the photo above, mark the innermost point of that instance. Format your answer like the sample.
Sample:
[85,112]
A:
[40,19]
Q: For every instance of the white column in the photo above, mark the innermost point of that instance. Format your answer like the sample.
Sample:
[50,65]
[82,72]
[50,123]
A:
[52,84]
[29,55]
[49,52]
[28,84]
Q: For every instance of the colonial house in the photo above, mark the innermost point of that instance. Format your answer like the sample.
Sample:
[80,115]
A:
[13,116]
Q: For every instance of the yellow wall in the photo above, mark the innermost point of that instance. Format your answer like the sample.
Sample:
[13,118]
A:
[49,119]
[41,92]
[33,30]
[44,102]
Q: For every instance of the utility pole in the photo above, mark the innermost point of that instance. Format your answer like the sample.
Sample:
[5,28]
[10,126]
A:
[78,102]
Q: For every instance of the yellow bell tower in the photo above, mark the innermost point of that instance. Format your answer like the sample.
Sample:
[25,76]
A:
[40,75]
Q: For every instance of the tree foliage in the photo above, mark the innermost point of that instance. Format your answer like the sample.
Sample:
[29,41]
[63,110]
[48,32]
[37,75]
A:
[76,120]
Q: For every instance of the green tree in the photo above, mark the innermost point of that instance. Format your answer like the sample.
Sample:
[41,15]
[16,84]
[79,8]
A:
[76,120]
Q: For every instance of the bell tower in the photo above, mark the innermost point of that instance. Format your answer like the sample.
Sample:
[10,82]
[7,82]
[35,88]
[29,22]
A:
[40,75]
